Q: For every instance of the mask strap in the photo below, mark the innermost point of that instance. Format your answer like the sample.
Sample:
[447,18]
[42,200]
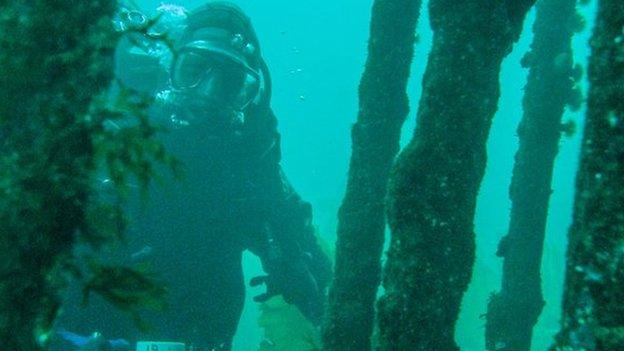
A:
[265,92]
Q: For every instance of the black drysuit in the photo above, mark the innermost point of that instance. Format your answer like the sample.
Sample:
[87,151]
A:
[232,196]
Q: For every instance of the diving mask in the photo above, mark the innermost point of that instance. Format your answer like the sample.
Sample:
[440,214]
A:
[214,77]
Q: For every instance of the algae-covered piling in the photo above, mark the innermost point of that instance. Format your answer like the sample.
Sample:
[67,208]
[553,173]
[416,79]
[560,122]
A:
[55,59]
[513,311]
[56,107]
[375,138]
[434,184]
[593,313]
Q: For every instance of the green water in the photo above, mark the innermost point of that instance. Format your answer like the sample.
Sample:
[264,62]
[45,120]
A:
[316,51]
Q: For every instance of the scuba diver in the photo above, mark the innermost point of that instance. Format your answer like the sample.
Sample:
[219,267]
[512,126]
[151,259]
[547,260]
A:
[233,196]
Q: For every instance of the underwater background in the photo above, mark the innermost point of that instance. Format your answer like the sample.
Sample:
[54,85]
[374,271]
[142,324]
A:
[316,53]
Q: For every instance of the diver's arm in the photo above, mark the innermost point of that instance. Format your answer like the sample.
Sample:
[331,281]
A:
[290,252]
[295,264]
[289,217]
[291,223]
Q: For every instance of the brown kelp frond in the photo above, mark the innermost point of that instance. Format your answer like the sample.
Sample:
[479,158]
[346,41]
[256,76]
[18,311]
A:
[125,287]
[129,289]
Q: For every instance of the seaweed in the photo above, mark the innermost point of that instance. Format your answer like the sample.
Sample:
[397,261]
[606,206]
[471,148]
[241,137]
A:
[56,112]
[126,288]
[285,328]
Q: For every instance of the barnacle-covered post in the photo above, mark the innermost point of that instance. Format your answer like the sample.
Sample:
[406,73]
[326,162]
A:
[434,184]
[56,57]
[593,313]
[513,311]
[375,135]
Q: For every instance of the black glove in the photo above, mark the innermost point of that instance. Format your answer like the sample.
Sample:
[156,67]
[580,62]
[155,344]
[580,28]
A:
[294,281]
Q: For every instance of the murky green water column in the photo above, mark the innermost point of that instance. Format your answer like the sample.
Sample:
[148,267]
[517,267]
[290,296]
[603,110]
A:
[361,223]
[513,311]
[53,62]
[593,312]
[434,185]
